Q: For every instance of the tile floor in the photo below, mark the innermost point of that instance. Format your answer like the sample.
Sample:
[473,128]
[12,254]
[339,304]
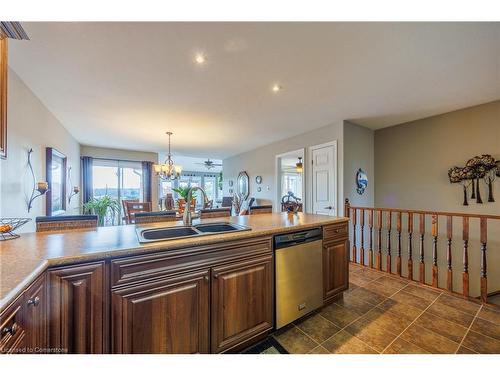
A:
[387,314]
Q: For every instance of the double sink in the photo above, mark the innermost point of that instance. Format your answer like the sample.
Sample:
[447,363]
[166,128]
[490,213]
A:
[146,235]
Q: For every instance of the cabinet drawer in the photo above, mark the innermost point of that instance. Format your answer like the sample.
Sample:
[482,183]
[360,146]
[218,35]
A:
[12,326]
[335,231]
[140,268]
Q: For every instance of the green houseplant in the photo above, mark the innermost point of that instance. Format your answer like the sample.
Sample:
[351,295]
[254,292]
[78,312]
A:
[101,207]
[183,193]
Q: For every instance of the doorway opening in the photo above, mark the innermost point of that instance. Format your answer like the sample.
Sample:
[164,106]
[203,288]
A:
[290,178]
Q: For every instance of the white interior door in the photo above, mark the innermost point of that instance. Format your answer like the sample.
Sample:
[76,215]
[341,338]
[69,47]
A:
[324,179]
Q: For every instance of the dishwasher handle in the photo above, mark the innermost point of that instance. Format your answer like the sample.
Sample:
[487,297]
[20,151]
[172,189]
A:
[287,240]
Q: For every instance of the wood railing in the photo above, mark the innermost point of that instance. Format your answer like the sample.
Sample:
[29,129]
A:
[376,228]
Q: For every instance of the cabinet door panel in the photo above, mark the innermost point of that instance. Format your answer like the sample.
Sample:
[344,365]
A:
[242,302]
[335,268]
[77,299]
[35,302]
[166,316]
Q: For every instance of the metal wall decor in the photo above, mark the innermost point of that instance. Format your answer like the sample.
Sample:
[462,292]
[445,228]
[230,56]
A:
[361,181]
[483,167]
[39,188]
[258,180]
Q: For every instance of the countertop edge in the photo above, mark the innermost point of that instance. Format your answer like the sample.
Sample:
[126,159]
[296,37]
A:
[13,294]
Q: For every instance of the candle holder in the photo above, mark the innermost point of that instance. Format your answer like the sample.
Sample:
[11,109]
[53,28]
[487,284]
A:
[75,189]
[41,187]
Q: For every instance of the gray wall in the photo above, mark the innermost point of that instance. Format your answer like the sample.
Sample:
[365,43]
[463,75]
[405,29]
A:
[411,164]
[261,161]
[31,125]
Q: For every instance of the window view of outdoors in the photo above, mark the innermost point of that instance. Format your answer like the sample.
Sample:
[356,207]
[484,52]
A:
[207,181]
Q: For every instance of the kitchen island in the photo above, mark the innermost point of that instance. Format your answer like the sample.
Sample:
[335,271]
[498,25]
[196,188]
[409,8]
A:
[101,291]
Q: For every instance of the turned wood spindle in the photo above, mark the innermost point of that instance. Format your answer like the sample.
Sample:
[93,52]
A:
[370,226]
[398,229]
[362,235]
[379,240]
[410,248]
[484,277]
[354,249]
[435,281]
[388,259]
[422,235]
[465,273]
[449,234]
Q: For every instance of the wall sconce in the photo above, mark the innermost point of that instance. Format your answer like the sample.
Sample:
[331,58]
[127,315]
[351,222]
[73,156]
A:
[41,187]
[75,189]
[299,166]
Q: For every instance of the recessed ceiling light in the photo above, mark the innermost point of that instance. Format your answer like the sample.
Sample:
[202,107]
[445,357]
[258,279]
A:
[200,58]
[277,88]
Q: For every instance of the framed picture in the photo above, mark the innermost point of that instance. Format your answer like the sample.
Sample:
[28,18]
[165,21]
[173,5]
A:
[56,163]
[3,98]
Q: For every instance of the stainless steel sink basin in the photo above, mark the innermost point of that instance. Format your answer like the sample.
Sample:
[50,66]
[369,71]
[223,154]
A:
[173,233]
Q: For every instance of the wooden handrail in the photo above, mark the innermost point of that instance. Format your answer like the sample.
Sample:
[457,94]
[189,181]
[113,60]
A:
[375,257]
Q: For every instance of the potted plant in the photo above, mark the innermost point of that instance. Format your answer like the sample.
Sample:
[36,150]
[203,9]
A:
[181,202]
[102,207]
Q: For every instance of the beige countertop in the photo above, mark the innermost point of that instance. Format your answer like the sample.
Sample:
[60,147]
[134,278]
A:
[25,258]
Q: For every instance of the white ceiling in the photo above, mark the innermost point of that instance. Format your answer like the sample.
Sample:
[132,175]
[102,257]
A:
[122,85]
[190,164]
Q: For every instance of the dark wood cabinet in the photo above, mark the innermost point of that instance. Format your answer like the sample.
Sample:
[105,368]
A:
[166,316]
[35,305]
[242,302]
[12,329]
[335,268]
[77,306]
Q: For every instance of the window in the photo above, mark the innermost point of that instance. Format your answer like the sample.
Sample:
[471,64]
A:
[207,181]
[291,181]
[118,179]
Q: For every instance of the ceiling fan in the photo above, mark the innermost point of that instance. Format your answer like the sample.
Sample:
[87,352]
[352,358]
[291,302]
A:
[209,164]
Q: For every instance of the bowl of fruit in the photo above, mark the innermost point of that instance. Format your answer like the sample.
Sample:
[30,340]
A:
[9,225]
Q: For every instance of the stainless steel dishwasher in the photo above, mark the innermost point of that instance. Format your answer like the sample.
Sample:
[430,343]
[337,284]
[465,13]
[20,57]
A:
[299,274]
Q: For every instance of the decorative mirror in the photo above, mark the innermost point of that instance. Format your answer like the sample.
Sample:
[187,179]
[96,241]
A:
[56,178]
[361,181]
[243,186]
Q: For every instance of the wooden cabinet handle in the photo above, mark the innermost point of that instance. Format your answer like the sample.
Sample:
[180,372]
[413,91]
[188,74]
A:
[216,275]
[205,278]
[34,301]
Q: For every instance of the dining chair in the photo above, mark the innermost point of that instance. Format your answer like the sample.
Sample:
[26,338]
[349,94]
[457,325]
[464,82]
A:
[227,202]
[155,217]
[136,207]
[58,223]
[169,202]
[125,216]
[215,212]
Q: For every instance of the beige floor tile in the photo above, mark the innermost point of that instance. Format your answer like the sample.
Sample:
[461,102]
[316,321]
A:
[481,344]
[429,340]
[295,341]
[486,328]
[401,346]
[400,309]
[367,296]
[393,282]
[389,322]
[359,280]
[464,350]
[345,343]
[317,327]
[410,299]
[442,326]
[459,303]
[371,333]
[319,350]
[422,292]
[489,314]
[339,315]
[355,304]
[382,289]
[450,313]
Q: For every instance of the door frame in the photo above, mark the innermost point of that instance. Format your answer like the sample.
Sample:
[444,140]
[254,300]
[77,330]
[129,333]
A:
[310,187]
[277,178]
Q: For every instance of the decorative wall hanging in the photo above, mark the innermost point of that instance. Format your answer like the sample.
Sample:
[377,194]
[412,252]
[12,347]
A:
[258,180]
[243,185]
[41,186]
[483,167]
[75,190]
[361,181]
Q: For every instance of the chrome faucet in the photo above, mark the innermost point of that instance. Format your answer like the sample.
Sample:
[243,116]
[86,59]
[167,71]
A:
[187,218]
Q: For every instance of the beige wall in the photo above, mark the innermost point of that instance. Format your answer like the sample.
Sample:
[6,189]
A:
[261,161]
[411,164]
[111,153]
[31,125]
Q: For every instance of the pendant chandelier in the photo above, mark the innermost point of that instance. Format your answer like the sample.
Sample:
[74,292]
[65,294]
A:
[167,170]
